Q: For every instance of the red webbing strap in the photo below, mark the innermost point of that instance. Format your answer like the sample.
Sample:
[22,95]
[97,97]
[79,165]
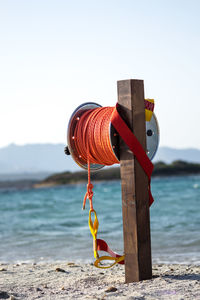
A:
[103,246]
[134,145]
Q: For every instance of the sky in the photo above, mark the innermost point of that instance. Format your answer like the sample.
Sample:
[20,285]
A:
[56,55]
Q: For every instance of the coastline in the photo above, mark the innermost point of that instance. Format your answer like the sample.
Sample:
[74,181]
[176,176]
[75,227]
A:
[50,184]
[177,168]
[161,170]
[68,280]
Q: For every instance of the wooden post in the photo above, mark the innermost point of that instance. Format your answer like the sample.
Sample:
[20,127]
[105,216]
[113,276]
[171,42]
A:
[135,198]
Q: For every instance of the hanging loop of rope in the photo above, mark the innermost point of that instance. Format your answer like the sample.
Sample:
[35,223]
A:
[89,193]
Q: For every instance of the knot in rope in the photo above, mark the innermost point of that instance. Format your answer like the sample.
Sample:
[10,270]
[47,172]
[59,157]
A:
[89,195]
[89,190]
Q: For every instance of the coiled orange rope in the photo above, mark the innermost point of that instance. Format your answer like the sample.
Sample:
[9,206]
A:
[92,139]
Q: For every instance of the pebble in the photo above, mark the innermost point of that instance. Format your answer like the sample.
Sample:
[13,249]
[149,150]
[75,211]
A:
[60,270]
[71,264]
[3,269]
[111,289]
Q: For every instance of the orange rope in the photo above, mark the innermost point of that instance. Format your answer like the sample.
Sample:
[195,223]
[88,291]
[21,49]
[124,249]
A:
[91,136]
[92,141]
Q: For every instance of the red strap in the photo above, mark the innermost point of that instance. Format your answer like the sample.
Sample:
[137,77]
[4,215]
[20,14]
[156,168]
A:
[134,145]
[103,246]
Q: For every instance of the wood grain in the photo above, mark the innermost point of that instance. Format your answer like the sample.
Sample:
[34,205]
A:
[134,184]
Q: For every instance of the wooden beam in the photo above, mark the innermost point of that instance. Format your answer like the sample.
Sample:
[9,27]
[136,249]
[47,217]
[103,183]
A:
[135,198]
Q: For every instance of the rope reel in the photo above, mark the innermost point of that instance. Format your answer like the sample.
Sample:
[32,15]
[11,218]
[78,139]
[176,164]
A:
[152,135]
[93,141]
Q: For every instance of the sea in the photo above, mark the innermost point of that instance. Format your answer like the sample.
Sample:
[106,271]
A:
[49,225]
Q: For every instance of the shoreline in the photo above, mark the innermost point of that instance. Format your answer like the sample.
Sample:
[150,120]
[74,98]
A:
[69,280]
[37,184]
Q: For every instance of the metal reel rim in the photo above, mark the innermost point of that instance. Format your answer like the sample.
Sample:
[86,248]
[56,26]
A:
[83,107]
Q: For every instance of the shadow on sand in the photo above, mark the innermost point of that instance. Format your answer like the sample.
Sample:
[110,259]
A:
[184,277]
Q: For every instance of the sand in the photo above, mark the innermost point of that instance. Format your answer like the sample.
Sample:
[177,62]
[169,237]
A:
[84,281]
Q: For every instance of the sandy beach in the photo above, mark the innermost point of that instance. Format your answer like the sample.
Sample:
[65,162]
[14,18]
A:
[84,281]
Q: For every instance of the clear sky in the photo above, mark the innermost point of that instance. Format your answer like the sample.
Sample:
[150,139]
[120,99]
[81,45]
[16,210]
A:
[55,55]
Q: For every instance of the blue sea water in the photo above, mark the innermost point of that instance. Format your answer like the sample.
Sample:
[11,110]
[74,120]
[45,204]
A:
[49,224]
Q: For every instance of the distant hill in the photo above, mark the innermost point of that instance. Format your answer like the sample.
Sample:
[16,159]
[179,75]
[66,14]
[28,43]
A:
[35,158]
[50,158]
[169,155]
